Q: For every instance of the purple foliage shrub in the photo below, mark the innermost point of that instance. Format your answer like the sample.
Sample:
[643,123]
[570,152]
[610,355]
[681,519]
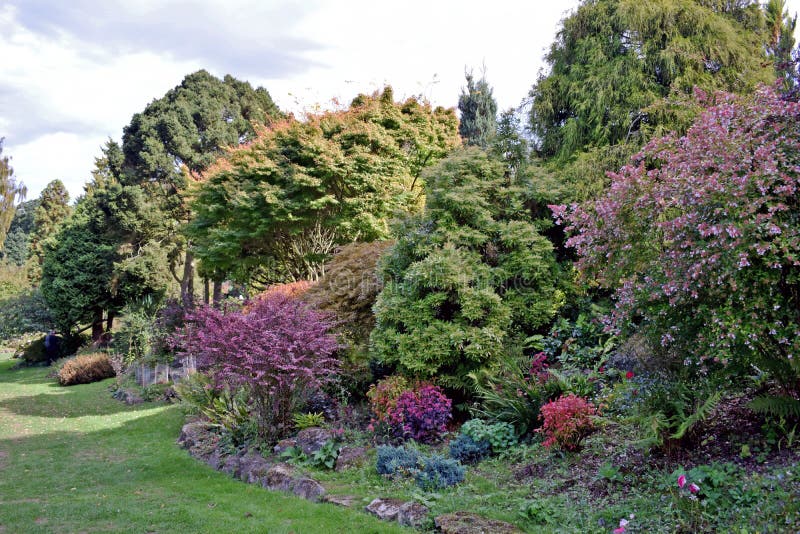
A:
[421,413]
[277,347]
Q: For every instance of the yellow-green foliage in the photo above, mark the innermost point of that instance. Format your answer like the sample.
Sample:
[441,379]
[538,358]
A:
[85,369]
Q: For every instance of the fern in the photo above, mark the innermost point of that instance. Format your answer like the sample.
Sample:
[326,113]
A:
[787,407]
[700,414]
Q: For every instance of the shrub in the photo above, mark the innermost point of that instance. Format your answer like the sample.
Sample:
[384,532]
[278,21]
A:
[698,237]
[499,435]
[396,460]
[34,353]
[468,451]
[465,276]
[567,420]
[421,414]
[277,347]
[85,369]
[384,394]
[24,313]
[349,288]
[438,472]
[308,420]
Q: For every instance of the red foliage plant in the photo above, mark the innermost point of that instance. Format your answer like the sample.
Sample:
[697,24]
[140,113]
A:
[567,420]
[276,346]
[699,234]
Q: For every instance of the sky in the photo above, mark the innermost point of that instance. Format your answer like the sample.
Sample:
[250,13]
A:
[74,72]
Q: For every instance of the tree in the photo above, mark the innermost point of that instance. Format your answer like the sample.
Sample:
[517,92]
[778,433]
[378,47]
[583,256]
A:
[698,237]
[478,112]
[53,208]
[178,136]
[10,193]
[86,275]
[622,71]
[465,278]
[781,28]
[15,249]
[274,210]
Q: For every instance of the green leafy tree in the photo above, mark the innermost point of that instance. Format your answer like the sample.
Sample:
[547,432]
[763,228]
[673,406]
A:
[478,112]
[10,193]
[53,208]
[622,71]
[178,136]
[273,211]
[466,277]
[780,26]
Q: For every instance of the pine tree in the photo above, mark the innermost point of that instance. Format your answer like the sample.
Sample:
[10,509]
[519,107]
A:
[53,208]
[478,112]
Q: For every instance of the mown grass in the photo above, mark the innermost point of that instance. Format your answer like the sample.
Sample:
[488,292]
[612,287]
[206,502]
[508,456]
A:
[75,460]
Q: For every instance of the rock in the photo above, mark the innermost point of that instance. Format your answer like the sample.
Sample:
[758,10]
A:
[232,465]
[193,434]
[283,445]
[278,477]
[386,509]
[130,397]
[412,514]
[253,468]
[341,500]
[214,460]
[310,440]
[308,489]
[468,523]
[350,457]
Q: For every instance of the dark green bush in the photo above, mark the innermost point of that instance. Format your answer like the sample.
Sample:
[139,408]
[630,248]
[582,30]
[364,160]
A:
[439,472]
[85,369]
[34,353]
[468,451]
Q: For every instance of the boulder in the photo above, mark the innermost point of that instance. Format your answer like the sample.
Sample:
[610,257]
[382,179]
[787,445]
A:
[253,468]
[193,434]
[214,460]
[232,465]
[308,489]
[468,523]
[278,477]
[386,509]
[350,457]
[412,514]
[310,440]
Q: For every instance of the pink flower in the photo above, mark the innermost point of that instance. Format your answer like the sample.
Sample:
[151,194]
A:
[629,375]
[681,481]
[619,530]
[694,488]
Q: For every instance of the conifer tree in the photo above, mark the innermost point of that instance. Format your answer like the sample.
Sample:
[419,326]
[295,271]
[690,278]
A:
[10,192]
[53,208]
[478,112]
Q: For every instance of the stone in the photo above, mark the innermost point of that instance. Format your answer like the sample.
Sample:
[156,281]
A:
[386,509]
[341,500]
[308,488]
[214,460]
[253,468]
[232,465]
[131,397]
[310,440]
[193,434]
[283,445]
[278,477]
[350,457]
[469,523]
[412,514]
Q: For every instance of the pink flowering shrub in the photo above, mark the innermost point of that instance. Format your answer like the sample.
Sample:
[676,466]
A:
[421,413]
[567,420]
[699,235]
[276,347]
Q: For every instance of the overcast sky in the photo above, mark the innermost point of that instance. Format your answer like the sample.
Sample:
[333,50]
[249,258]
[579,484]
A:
[75,71]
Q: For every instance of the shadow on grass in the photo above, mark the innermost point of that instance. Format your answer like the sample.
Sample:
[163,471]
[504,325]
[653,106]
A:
[10,374]
[68,402]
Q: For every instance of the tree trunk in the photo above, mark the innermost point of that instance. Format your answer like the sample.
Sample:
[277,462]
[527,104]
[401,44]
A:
[187,283]
[206,291]
[217,291]
[97,325]
[110,320]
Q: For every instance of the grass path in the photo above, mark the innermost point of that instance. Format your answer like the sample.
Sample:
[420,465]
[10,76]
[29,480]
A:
[76,460]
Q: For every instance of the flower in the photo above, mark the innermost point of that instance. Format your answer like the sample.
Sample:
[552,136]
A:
[681,481]
[629,375]
[694,488]
[622,524]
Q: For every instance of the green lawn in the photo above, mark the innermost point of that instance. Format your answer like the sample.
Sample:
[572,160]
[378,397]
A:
[76,460]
